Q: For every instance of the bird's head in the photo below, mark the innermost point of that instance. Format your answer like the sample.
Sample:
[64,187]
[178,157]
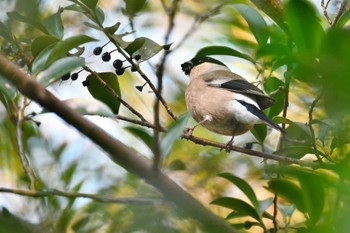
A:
[201,65]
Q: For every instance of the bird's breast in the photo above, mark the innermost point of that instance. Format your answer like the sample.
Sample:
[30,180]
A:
[216,104]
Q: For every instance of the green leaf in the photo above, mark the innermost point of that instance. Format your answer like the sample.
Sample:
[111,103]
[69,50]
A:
[256,23]
[5,32]
[54,25]
[74,7]
[297,151]
[79,225]
[40,62]
[89,107]
[289,191]
[176,165]
[342,138]
[277,50]
[90,3]
[304,25]
[100,15]
[238,205]
[143,46]
[260,132]
[275,85]
[314,195]
[27,20]
[42,42]
[61,48]
[344,18]
[173,134]
[264,205]
[112,29]
[94,26]
[286,210]
[59,68]
[222,50]
[7,88]
[100,92]
[69,172]
[132,7]
[143,134]
[243,186]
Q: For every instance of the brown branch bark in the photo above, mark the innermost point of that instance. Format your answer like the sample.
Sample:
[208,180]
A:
[95,197]
[118,152]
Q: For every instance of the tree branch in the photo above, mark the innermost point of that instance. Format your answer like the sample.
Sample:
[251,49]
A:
[24,160]
[118,152]
[283,159]
[106,199]
[313,139]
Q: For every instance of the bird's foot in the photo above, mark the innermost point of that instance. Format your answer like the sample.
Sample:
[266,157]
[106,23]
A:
[188,132]
[229,144]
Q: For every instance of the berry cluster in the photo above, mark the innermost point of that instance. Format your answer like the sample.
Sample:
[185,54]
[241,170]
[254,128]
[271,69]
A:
[106,57]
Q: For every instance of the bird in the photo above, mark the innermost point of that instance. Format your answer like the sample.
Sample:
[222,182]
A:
[222,101]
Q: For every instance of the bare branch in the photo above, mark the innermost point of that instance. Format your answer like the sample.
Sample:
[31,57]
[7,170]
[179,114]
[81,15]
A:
[24,160]
[138,122]
[106,199]
[313,139]
[171,12]
[283,159]
[325,12]
[199,19]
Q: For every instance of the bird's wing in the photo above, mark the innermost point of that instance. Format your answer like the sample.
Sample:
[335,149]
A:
[235,83]
[257,112]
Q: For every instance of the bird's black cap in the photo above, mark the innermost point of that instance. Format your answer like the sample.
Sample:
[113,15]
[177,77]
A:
[187,66]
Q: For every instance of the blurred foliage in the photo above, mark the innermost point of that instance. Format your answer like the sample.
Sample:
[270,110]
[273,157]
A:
[307,55]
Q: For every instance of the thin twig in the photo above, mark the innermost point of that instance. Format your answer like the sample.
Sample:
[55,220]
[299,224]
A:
[283,159]
[106,199]
[141,123]
[325,12]
[275,211]
[115,95]
[340,12]
[171,12]
[24,160]
[313,139]
[195,24]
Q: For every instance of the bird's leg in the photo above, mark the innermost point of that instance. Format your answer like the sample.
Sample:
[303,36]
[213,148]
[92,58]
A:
[229,144]
[189,131]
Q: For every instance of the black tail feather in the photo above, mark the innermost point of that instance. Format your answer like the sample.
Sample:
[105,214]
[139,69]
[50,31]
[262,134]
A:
[257,112]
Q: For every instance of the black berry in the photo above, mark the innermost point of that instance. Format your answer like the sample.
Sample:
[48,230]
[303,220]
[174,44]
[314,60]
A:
[106,56]
[120,71]
[133,69]
[117,63]
[137,57]
[167,47]
[97,50]
[74,76]
[86,83]
[139,88]
[65,77]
